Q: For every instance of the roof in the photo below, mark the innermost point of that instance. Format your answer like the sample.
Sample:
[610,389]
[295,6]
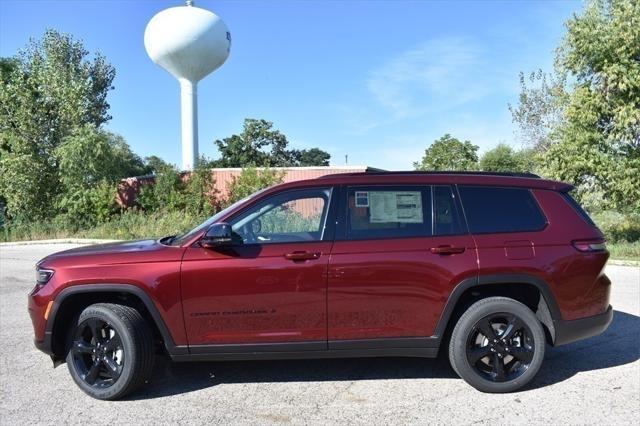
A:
[526,180]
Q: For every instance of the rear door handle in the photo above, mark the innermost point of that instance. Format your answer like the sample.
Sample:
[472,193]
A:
[447,250]
[302,255]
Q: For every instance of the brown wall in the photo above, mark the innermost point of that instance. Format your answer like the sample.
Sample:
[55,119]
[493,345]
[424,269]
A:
[129,188]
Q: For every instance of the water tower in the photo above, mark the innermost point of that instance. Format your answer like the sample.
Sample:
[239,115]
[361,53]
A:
[190,43]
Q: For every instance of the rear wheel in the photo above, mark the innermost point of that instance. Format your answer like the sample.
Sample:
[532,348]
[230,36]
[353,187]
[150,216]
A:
[497,345]
[111,351]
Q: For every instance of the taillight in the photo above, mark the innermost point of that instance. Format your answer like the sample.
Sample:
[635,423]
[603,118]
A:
[590,245]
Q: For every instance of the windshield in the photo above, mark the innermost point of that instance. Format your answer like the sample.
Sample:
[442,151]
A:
[180,239]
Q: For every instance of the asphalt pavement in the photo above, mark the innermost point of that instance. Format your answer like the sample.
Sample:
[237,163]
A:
[596,381]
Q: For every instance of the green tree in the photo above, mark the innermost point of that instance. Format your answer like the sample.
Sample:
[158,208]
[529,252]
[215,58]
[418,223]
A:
[153,163]
[503,158]
[48,89]
[312,157]
[260,145]
[251,180]
[585,120]
[90,162]
[90,155]
[599,148]
[539,111]
[449,153]
[200,191]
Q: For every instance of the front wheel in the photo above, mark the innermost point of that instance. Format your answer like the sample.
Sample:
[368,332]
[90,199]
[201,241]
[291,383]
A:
[110,351]
[497,345]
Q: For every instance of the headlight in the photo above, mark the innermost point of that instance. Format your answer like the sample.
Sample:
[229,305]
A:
[43,275]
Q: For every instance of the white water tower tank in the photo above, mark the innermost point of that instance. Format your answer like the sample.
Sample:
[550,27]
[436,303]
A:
[190,43]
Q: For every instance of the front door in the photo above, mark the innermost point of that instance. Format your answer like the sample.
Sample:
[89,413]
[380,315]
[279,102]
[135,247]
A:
[397,256]
[270,287]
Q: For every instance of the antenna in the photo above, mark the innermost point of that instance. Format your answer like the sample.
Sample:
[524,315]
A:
[190,43]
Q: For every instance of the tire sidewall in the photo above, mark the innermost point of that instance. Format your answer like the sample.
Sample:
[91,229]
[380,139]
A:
[127,375]
[458,344]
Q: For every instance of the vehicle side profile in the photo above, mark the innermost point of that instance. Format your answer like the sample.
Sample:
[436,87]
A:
[488,268]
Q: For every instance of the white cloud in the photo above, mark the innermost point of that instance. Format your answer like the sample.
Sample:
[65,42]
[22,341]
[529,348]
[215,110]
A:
[439,74]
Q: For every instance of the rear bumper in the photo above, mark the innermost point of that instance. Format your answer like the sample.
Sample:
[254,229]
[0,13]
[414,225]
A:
[574,330]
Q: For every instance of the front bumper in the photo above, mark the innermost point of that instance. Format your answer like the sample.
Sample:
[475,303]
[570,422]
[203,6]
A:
[574,330]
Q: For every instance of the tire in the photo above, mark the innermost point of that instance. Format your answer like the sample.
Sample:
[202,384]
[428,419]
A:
[110,351]
[506,355]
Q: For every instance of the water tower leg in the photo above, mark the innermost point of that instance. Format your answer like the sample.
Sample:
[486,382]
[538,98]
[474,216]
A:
[189,106]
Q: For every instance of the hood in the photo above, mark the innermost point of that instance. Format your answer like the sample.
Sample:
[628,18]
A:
[119,252]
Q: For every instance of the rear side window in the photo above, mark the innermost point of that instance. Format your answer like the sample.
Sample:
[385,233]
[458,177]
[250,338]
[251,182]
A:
[388,212]
[446,217]
[578,208]
[493,210]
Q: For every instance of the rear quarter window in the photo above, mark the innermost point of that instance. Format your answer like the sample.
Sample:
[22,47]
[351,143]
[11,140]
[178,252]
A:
[495,210]
[577,208]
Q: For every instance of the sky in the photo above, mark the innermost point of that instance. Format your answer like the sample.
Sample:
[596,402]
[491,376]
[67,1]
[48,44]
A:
[377,81]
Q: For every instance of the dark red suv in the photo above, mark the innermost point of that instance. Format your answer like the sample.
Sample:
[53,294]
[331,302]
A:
[488,267]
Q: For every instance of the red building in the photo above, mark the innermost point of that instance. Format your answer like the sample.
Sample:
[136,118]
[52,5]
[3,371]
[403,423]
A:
[129,188]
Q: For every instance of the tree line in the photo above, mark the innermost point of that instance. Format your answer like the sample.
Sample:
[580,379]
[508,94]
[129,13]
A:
[57,162]
[579,123]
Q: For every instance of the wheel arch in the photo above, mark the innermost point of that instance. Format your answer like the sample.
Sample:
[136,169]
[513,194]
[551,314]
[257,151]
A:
[72,300]
[527,289]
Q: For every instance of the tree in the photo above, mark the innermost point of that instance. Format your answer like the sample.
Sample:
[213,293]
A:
[252,180]
[503,158]
[312,157]
[90,155]
[449,153]
[260,145]
[91,161]
[539,111]
[48,89]
[154,164]
[599,147]
[593,137]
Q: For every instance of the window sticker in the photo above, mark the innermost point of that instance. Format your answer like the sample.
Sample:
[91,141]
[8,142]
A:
[395,206]
[362,199]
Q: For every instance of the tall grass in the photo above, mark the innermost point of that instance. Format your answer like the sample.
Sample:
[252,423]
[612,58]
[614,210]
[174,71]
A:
[127,226]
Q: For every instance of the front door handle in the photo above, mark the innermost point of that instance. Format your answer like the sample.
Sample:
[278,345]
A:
[447,250]
[302,255]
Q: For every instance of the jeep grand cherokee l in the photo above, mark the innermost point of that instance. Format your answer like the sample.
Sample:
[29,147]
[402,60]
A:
[489,268]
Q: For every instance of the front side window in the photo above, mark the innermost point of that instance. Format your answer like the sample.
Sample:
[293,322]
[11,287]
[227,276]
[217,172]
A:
[388,212]
[494,209]
[293,216]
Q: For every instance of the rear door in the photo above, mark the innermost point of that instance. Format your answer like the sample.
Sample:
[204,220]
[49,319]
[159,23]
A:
[394,262]
[506,224]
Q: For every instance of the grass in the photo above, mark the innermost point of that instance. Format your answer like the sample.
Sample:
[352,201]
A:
[624,250]
[136,225]
[128,226]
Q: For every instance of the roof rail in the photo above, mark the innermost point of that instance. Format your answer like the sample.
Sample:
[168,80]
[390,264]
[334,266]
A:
[374,171]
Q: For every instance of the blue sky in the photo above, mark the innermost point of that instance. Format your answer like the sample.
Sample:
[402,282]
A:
[378,81]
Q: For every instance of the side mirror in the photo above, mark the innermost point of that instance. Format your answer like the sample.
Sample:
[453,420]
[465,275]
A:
[218,235]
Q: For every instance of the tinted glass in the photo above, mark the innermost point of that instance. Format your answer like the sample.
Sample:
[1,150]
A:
[294,216]
[490,210]
[578,208]
[388,212]
[446,218]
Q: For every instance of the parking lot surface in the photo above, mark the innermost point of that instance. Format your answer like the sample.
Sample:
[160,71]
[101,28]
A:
[589,382]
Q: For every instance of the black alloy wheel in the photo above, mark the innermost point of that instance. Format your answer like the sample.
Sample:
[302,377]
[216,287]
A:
[110,350]
[98,353]
[500,347]
[497,345]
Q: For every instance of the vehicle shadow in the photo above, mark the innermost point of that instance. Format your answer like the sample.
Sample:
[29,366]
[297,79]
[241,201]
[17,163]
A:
[616,346]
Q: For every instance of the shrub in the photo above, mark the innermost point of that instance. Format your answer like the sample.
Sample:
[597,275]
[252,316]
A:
[251,180]
[81,208]
[618,227]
